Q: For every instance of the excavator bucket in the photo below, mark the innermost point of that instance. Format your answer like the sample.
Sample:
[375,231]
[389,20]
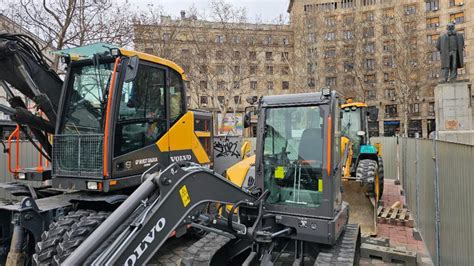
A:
[363,209]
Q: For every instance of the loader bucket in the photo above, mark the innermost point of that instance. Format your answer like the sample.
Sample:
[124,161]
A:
[362,208]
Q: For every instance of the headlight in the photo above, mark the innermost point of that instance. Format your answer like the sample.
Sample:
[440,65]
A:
[92,185]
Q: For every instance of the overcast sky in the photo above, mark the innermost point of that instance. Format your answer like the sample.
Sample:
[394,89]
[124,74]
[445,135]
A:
[264,10]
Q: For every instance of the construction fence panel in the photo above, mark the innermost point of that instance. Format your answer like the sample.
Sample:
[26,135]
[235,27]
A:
[29,157]
[426,197]
[410,174]
[456,186]
[389,155]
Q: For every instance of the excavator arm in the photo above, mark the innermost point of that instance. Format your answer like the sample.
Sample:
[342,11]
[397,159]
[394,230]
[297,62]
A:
[23,66]
[162,204]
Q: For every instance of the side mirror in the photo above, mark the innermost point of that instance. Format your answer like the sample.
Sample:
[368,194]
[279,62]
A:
[132,68]
[252,100]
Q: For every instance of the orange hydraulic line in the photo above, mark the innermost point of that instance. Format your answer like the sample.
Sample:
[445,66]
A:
[107,117]
[328,164]
[15,134]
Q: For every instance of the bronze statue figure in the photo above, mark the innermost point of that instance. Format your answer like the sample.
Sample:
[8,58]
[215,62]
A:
[451,47]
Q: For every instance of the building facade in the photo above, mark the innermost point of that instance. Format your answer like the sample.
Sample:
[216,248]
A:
[378,51]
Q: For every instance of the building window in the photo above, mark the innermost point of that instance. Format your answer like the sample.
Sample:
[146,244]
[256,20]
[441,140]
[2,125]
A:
[371,94]
[166,36]
[285,41]
[388,61]
[253,55]
[414,129]
[370,48]
[456,2]
[432,38]
[219,39]
[236,55]
[270,85]
[331,21]
[435,56]
[267,40]
[414,109]
[253,85]
[389,14]
[368,2]
[220,69]
[431,108]
[311,53]
[348,66]
[253,70]
[269,56]
[369,16]
[391,111]
[369,32]
[311,37]
[203,84]
[331,81]
[370,79]
[388,77]
[221,85]
[348,34]
[432,23]
[220,55]
[284,56]
[387,47]
[390,94]
[236,85]
[285,85]
[369,64]
[348,20]
[236,39]
[237,99]
[237,70]
[203,100]
[311,82]
[330,36]
[330,53]
[311,68]
[432,5]
[410,9]
[457,18]
[221,100]
[285,70]
[269,70]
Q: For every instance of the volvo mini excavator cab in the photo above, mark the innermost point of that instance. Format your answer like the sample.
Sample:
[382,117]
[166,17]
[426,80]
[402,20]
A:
[291,211]
[116,114]
[363,165]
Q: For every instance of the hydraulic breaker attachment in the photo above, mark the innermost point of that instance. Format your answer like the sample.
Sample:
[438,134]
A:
[163,203]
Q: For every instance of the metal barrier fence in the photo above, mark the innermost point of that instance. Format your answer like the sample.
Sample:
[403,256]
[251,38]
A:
[389,155]
[438,179]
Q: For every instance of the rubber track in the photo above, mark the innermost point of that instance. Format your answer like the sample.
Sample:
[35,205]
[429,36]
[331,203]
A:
[381,177]
[202,252]
[345,252]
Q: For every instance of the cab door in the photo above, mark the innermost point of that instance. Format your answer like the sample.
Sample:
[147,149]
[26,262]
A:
[142,119]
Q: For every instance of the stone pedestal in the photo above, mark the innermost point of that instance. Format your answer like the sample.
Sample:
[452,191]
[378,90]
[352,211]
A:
[454,112]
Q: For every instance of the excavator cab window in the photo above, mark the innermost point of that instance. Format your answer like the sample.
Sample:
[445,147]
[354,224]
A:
[86,105]
[293,155]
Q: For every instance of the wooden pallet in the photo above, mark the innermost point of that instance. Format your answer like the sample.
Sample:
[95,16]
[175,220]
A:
[388,254]
[395,216]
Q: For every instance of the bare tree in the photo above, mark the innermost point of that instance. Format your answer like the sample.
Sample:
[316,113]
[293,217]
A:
[70,23]
[406,52]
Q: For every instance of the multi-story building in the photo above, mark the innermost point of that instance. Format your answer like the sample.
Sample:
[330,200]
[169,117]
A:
[378,51]
[325,29]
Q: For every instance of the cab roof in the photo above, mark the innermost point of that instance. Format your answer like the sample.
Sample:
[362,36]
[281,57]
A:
[87,52]
[359,105]
[154,59]
[296,99]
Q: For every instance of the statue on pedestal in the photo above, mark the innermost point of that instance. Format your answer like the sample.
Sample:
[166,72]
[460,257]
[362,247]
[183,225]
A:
[451,47]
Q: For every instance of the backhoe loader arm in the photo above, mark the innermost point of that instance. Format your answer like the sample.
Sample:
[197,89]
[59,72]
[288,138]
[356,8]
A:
[161,204]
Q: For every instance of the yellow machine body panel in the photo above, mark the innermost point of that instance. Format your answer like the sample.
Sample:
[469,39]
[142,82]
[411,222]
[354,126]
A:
[237,173]
[181,136]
